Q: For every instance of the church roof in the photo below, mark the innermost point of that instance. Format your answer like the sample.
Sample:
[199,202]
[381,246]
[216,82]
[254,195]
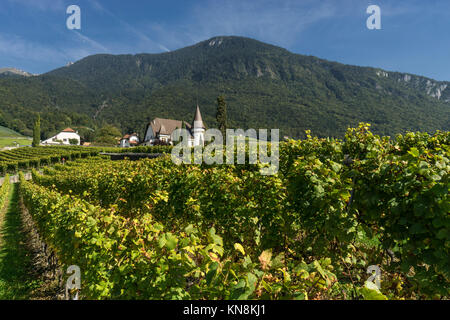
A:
[69,130]
[167,126]
[162,126]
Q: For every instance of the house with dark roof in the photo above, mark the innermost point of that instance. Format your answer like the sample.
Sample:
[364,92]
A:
[162,130]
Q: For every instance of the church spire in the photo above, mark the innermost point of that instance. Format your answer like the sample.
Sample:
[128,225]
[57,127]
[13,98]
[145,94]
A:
[198,121]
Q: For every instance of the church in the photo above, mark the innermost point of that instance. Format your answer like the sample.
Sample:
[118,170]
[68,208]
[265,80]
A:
[162,130]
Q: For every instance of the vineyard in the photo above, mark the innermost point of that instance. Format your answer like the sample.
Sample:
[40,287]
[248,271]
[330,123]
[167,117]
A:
[4,191]
[28,158]
[150,229]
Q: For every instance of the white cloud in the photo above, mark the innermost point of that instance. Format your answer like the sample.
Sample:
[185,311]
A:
[19,48]
[144,41]
[92,43]
[43,5]
[15,48]
[273,21]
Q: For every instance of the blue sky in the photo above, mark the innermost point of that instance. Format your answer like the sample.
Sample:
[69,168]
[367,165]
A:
[415,35]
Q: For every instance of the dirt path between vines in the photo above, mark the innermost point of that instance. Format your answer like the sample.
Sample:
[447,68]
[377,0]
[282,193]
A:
[16,280]
[23,273]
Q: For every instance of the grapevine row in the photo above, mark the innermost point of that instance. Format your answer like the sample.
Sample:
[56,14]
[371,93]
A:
[341,204]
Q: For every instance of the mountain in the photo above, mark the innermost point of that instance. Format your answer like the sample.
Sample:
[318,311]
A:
[265,87]
[5,72]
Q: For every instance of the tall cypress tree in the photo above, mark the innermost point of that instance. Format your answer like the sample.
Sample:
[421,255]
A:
[221,115]
[37,132]
[183,132]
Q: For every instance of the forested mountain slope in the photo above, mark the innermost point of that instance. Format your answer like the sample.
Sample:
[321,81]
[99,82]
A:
[265,87]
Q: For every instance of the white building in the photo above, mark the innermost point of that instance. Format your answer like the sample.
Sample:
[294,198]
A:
[63,138]
[161,130]
[129,140]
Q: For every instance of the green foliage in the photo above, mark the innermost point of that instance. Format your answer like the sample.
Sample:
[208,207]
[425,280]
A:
[108,135]
[37,132]
[4,191]
[371,292]
[25,158]
[406,192]
[221,115]
[150,229]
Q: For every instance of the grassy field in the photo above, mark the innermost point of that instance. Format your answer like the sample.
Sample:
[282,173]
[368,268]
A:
[9,142]
[5,132]
[9,138]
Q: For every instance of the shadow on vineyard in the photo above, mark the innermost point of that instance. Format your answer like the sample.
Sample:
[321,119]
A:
[16,279]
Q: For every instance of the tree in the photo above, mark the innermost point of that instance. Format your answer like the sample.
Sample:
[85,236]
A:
[108,135]
[37,132]
[2,120]
[87,134]
[221,115]
[73,141]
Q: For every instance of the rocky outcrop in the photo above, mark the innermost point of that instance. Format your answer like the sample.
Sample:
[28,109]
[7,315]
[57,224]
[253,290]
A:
[14,71]
[439,90]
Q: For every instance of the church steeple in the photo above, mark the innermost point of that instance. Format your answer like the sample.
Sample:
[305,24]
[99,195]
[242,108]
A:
[198,121]
[198,129]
